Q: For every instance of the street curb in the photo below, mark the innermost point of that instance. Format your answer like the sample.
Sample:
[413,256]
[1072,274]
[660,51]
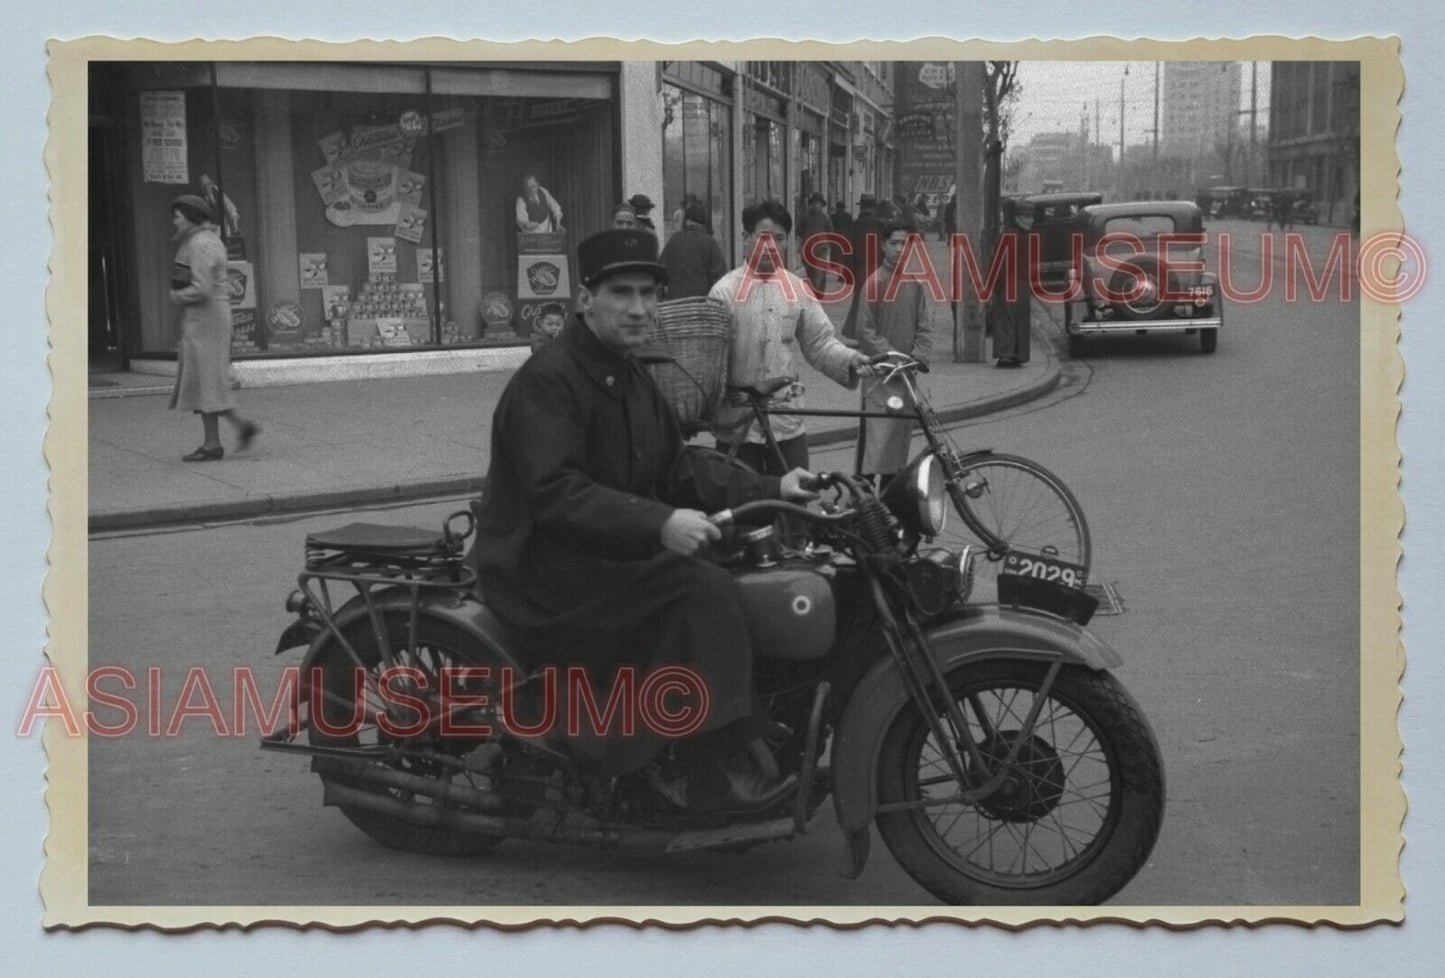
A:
[274,505]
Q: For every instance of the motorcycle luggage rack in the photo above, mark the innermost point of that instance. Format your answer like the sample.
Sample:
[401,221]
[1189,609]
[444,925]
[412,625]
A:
[373,558]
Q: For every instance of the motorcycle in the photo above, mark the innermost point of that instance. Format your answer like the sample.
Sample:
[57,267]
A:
[990,744]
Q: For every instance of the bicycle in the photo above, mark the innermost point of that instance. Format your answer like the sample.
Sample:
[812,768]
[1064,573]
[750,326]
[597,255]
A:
[1006,503]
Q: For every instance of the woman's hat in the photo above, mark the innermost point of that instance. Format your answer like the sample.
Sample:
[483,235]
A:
[197,203]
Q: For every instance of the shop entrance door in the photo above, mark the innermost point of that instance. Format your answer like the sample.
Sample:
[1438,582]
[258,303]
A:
[106,317]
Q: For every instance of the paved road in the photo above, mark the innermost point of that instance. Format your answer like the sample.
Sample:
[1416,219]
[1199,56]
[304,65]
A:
[1222,494]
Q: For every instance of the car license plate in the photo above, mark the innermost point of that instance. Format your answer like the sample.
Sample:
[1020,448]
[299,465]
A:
[1042,567]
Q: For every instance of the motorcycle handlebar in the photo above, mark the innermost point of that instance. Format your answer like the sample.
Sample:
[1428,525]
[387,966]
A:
[779,507]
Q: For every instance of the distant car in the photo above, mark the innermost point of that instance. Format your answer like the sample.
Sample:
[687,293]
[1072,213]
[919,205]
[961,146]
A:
[1113,300]
[1304,210]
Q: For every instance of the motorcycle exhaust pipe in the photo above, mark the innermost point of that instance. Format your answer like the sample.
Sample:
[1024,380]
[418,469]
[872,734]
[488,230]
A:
[385,777]
[614,837]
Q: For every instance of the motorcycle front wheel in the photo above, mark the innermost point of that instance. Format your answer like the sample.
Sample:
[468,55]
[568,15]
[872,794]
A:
[1070,825]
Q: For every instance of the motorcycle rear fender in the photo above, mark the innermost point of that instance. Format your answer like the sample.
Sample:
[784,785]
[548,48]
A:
[981,635]
[464,612]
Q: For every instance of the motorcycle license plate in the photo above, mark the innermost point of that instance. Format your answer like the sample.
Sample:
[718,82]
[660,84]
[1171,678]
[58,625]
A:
[1047,584]
[1041,567]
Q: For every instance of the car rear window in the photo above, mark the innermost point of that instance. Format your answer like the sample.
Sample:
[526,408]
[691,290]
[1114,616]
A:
[1144,226]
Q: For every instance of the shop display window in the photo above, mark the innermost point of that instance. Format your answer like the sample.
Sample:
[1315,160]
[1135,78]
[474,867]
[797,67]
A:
[376,207]
[697,160]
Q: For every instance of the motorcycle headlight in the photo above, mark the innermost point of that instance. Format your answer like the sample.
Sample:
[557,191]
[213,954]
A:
[918,498]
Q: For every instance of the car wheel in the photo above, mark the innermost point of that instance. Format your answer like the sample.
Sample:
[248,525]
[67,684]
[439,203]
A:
[1076,346]
[1208,340]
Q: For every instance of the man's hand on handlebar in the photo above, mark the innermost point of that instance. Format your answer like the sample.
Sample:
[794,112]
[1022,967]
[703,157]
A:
[798,486]
[687,530]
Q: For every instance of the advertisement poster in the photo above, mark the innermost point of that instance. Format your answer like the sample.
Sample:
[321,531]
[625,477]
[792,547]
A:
[427,271]
[335,301]
[331,184]
[410,222]
[409,186]
[163,137]
[243,328]
[381,256]
[333,147]
[542,274]
[241,284]
[313,269]
[283,323]
[447,119]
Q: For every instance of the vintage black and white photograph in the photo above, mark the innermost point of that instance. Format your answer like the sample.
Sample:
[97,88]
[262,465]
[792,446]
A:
[593,481]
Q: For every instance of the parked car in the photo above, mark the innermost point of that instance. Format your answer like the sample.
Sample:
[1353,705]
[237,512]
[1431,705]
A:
[1114,300]
[1054,217]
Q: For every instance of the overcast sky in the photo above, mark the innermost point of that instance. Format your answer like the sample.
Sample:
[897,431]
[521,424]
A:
[1053,93]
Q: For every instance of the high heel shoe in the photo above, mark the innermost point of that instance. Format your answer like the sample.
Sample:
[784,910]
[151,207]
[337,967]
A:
[204,454]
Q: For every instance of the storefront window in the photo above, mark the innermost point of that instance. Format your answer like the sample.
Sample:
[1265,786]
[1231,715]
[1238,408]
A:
[376,207]
[696,160]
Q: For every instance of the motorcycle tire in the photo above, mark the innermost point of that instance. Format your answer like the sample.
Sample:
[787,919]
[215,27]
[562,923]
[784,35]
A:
[441,641]
[1092,864]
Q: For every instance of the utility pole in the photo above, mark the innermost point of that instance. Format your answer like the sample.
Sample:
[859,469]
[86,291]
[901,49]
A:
[968,113]
[1156,114]
[1253,137]
[1122,78]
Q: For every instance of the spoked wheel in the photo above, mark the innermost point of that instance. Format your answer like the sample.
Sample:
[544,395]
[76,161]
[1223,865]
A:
[1007,503]
[473,766]
[1072,821]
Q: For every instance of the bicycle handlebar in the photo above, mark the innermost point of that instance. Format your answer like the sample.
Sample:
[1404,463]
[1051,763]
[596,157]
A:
[900,360]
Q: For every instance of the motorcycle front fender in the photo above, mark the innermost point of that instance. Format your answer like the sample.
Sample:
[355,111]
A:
[466,612]
[981,634]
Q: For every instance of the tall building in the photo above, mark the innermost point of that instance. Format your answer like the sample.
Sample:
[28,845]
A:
[1314,132]
[1199,107]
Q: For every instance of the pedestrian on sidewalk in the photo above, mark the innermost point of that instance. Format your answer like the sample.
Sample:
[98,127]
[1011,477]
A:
[815,222]
[867,227]
[623,216]
[642,205]
[773,313]
[887,323]
[692,257]
[200,285]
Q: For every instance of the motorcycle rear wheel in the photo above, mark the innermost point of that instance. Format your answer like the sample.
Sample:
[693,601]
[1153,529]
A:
[437,646]
[1071,827]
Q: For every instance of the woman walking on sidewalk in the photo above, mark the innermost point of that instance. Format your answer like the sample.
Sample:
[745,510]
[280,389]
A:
[200,286]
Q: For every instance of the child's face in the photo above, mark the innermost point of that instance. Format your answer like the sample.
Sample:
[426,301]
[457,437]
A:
[550,324]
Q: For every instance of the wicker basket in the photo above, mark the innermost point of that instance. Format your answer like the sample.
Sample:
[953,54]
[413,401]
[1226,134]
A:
[696,332]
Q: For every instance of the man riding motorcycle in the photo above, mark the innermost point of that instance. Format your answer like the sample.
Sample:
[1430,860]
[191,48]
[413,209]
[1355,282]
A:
[591,519]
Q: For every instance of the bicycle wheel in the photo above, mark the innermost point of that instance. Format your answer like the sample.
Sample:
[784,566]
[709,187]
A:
[1010,503]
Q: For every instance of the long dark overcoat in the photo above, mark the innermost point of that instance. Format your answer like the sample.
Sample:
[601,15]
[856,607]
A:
[587,464]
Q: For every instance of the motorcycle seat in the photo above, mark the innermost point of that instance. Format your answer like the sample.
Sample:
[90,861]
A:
[763,389]
[378,540]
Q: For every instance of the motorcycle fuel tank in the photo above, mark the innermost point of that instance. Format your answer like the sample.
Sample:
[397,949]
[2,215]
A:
[790,611]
